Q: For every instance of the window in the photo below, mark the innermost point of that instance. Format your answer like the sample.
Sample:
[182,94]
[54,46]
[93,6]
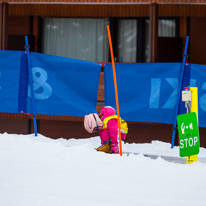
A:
[87,39]
[127,40]
[84,39]
[166,28]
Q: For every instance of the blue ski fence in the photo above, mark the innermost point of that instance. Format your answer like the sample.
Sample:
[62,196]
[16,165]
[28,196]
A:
[62,86]
[148,91]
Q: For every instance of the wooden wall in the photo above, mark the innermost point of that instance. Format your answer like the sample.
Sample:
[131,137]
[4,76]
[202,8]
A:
[102,10]
[75,10]
[3,26]
[18,25]
[197,45]
[182,10]
[96,2]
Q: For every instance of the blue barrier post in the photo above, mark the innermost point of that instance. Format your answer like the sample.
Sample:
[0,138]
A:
[179,92]
[31,85]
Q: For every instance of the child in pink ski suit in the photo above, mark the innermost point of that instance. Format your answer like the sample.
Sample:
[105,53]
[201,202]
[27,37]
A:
[111,131]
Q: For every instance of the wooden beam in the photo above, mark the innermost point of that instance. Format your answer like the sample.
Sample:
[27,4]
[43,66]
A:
[1,13]
[4,26]
[35,33]
[183,30]
[79,10]
[153,51]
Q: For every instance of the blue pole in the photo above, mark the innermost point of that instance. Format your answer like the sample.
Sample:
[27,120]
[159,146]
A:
[31,85]
[179,92]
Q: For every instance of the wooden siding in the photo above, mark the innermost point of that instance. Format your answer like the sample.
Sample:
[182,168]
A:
[104,11]
[1,24]
[100,96]
[4,26]
[18,25]
[74,10]
[182,10]
[13,126]
[197,42]
[107,1]
[40,117]
[153,34]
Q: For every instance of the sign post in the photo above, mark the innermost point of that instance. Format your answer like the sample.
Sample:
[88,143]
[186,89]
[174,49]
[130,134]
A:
[31,85]
[194,108]
[179,92]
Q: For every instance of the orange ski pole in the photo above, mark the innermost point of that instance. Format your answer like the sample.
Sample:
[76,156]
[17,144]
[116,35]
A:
[115,87]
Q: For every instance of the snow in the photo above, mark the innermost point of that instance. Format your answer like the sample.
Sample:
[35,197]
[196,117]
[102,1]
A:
[40,171]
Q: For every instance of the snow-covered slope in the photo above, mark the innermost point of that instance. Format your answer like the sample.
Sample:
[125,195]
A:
[39,171]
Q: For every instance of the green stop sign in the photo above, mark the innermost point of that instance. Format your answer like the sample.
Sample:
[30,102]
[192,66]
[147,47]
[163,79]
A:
[189,143]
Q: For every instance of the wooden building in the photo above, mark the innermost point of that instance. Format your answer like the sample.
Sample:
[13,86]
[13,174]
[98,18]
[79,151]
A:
[144,18]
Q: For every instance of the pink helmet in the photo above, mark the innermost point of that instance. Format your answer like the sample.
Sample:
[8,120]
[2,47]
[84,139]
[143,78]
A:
[92,122]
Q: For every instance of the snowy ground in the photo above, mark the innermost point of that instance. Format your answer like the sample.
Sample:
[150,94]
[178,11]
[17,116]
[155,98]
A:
[39,171]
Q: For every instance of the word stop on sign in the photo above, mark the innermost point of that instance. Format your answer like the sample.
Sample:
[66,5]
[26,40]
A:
[189,143]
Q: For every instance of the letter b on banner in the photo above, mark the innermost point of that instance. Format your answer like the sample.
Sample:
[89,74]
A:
[189,143]
[39,76]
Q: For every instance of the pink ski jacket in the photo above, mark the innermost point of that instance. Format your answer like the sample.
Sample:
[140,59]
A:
[112,126]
